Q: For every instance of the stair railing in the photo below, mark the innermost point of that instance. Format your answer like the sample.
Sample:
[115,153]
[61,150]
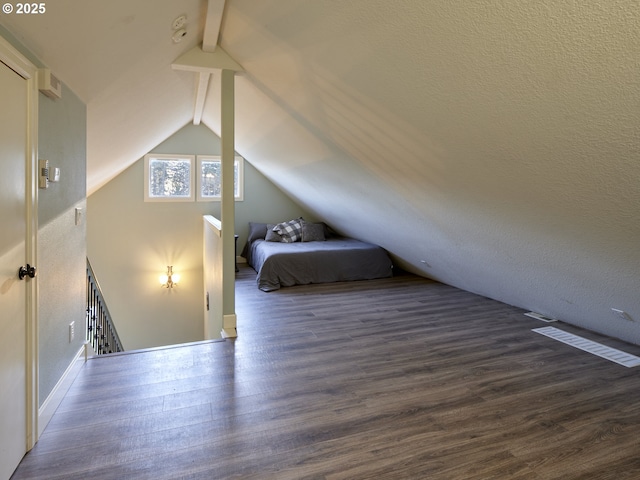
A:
[101,332]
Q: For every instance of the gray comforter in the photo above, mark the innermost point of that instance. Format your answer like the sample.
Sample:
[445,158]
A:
[334,260]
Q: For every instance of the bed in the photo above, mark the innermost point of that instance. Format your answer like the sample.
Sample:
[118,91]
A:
[317,257]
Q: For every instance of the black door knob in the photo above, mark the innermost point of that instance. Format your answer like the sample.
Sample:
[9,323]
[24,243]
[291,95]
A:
[27,270]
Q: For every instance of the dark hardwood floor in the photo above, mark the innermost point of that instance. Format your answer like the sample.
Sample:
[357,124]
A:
[400,378]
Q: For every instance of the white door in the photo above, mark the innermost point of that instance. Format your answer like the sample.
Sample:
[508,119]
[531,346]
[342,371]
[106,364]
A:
[13,303]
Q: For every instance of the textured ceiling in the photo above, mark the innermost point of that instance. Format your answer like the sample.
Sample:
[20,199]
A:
[491,145]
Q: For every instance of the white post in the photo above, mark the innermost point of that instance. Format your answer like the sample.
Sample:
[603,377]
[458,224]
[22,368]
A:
[228,203]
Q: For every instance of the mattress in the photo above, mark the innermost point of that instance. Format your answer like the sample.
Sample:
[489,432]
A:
[300,263]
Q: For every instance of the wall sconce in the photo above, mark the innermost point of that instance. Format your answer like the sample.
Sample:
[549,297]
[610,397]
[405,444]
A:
[169,279]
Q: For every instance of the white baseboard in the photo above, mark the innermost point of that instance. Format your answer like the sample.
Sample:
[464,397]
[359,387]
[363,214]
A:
[229,323]
[228,333]
[51,404]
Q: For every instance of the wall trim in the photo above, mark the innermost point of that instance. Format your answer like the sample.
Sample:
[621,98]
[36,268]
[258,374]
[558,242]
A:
[53,401]
[214,224]
[11,57]
[229,323]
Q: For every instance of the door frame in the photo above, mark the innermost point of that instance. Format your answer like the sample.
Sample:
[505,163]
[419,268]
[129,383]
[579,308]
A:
[27,70]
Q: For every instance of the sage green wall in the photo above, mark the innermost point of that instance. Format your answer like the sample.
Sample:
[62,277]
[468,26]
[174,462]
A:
[61,244]
[131,242]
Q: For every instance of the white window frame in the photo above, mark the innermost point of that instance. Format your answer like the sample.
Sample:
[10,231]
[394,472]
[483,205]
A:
[238,160]
[147,179]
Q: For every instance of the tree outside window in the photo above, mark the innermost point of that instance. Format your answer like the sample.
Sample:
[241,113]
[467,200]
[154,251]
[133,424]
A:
[210,178]
[169,177]
[173,178]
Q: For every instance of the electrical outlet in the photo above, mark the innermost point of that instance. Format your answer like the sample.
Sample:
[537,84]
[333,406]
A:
[72,331]
[622,314]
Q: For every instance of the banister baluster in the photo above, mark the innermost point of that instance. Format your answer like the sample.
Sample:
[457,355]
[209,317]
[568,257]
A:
[101,331]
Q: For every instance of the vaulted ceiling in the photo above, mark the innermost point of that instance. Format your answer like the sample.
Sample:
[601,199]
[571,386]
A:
[116,56]
[491,145]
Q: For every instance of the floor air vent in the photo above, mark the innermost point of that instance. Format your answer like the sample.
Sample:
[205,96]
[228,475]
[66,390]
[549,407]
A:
[539,316]
[595,348]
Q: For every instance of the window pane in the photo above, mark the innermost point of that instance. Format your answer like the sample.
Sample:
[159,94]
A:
[169,178]
[236,187]
[211,179]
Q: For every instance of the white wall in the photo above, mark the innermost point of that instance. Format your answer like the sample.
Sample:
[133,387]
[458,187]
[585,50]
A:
[213,277]
[130,243]
[490,145]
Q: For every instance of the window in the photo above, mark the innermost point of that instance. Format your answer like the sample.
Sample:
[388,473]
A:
[169,178]
[210,176]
